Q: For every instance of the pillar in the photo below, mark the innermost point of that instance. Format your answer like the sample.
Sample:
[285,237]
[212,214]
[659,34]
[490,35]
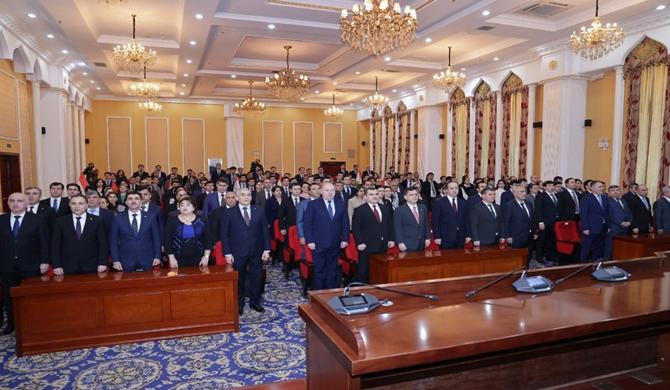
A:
[449,139]
[530,139]
[471,162]
[37,131]
[82,139]
[55,117]
[430,148]
[499,135]
[74,119]
[617,131]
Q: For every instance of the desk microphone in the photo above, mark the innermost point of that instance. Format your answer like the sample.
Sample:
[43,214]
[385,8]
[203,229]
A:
[603,274]
[472,293]
[409,293]
[349,304]
[535,284]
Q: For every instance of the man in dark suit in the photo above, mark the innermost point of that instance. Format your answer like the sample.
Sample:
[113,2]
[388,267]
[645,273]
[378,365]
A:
[246,242]
[160,175]
[38,208]
[477,196]
[372,225]
[217,198]
[429,190]
[289,208]
[486,220]
[79,241]
[568,202]
[134,238]
[640,207]
[140,174]
[662,211]
[94,208]
[326,228]
[57,202]
[24,249]
[449,219]
[314,193]
[150,208]
[620,218]
[546,212]
[347,189]
[263,196]
[216,172]
[594,222]
[408,182]
[518,225]
[410,222]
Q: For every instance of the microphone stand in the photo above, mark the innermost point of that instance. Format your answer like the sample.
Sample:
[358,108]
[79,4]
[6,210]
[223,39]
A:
[409,293]
[471,293]
[596,263]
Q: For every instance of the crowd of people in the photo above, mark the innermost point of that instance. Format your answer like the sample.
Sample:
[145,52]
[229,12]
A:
[158,219]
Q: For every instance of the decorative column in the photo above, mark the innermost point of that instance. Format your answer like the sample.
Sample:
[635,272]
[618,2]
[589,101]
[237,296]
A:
[499,135]
[37,131]
[473,129]
[396,136]
[82,139]
[382,147]
[372,155]
[530,139]
[53,105]
[449,138]
[412,142]
[617,131]
[74,116]
[430,148]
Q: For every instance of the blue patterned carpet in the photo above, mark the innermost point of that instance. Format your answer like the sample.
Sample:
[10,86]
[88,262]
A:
[269,348]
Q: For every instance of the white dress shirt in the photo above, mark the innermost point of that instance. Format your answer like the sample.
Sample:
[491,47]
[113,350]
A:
[139,218]
[12,219]
[374,206]
[82,221]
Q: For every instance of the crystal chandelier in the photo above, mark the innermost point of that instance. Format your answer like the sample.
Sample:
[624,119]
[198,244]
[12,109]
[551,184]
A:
[144,89]
[286,84]
[449,80]
[333,111]
[249,106]
[378,26]
[150,105]
[133,56]
[596,41]
[376,101]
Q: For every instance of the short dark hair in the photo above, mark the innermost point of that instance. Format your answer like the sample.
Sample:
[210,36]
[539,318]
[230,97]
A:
[547,182]
[222,180]
[74,185]
[613,186]
[188,199]
[487,189]
[133,193]
[57,184]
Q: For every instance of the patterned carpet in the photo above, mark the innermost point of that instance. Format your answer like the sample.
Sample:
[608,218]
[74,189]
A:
[269,348]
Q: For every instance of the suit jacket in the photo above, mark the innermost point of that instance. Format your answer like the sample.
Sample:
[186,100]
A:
[134,251]
[156,212]
[142,175]
[662,214]
[450,225]
[24,254]
[545,209]
[214,175]
[46,213]
[425,190]
[241,240]
[300,216]
[506,197]
[566,206]
[375,235]
[323,231]
[83,255]
[348,193]
[618,213]
[288,213]
[592,216]
[106,217]
[407,231]
[484,227]
[641,215]
[517,223]
[63,206]
[260,198]
[211,203]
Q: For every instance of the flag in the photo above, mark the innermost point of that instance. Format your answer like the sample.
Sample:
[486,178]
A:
[83,181]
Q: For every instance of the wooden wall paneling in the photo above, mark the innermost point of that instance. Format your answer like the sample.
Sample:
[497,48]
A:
[272,132]
[26,134]
[303,151]
[157,143]
[193,144]
[332,137]
[119,141]
[8,107]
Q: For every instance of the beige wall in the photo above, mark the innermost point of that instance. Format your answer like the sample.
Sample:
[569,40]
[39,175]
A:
[537,159]
[600,109]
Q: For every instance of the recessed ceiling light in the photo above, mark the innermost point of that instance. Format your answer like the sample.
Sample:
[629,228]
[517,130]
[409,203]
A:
[334,82]
[92,81]
[496,59]
[181,93]
[387,58]
[80,63]
[97,88]
[317,92]
[188,61]
[660,7]
[199,16]
[486,12]
[232,76]
[185,74]
[463,69]
[32,15]
[192,43]
[357,72]
[394,91]
[85,73]
[64,51]
[302,98]
[50,36]
[271,26]
[428,40]
[183,85]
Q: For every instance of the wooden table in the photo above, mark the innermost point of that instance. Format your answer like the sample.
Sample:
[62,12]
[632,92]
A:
[445,263]
[78,311]
[497,339]
[640,245]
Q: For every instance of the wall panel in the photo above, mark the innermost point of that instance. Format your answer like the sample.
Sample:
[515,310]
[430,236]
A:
[26,132]
[332,137]
[8,107]
[193,144]
[119,155]
[273,145]
[302,145]
[157,143]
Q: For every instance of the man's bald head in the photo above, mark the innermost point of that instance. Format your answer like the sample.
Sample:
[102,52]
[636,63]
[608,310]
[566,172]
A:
[17,202]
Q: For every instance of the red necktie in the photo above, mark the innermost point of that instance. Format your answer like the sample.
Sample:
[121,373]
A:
[376,212]
[416,214]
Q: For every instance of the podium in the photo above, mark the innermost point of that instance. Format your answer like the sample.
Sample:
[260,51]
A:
[639,245]
[584,329]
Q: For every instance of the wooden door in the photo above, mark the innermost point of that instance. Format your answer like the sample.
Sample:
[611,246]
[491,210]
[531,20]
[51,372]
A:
[331,168]
[10,177]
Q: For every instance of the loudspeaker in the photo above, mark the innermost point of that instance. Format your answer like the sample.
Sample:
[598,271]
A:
[87,141]
[363,143]
[537,125]
[441,136]
[44,130]
[587,123]
[416,136]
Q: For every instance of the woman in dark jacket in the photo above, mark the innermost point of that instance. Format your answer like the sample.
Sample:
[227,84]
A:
[186,239]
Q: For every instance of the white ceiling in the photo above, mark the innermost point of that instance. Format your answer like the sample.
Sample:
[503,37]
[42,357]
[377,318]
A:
[233,38]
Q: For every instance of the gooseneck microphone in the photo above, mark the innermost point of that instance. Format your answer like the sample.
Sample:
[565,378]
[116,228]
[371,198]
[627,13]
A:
[472,293]
[409,293]
[595,264]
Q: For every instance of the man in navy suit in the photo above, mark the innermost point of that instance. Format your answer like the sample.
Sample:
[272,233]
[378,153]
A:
[620,218]
[518,219]
[217,198]
[149,207]
[246,242]
[326,228]
[314,193]
[57,202]
[410,222]
[134,238]
[662,210]
[594,222]
[449,219]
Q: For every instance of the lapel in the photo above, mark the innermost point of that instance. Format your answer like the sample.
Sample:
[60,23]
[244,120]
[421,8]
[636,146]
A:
[5,222]
[88,227]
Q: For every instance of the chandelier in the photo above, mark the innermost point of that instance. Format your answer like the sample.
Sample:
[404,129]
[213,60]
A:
[150,105]
[376,101]
[333,111]
[596,41]
[286,84]
[144,89]
[449,80]
[378,26]
[249,106]
[133,56]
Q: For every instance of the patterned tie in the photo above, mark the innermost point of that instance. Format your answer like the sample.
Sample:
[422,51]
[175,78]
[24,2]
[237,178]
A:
[574,199]
[331,211]
[553,198]
[77,228]
[376,212]
[15,228]
[454,205]
[245,215]
[54,205]
[134,225]
[415,211]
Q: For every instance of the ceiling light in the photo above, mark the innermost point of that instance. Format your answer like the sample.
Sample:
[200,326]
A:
[377,101]
[302,98]
[333,111]
[97,88]
[428,40]
[150,105]
[317,92]
[394,91]
[464,69]
[271,26]
[192,43]
[486,12]
[92,81]
[85,73]
[183,85]
[448,80]
[232,76]
[357,72]
[50,36]
[199,16]
[80,63]
[64,51]
[495,58]
[144,89]
[597,40]
[334,82]
[189,61]
[250,106]
[32,15]
[660,7]
[387,59]
[181,93]
[287,83]
[185,74]
[133,56]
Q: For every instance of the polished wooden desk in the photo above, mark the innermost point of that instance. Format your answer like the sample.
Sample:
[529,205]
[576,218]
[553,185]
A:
[640,245]
[445,263]
[77,311]
[498,339]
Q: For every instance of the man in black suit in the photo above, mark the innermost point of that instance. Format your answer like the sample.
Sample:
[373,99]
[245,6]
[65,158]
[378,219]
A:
[347,189]
[141,174]
[36,207]
[160,175]
[372,225]
[174,174]
[263,196]
[24,249]
[518,219]
[429,190]
[662,211]
[94,208]
[79,241]
[568,202]
[486,220]
[288,209]
[546,211]
[450,219]
[640,207]
[72,189]
[57,202]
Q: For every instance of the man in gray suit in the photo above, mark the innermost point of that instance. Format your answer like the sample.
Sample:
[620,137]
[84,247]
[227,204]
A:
[662,211]
[265,194]
[486,220]
[411,223]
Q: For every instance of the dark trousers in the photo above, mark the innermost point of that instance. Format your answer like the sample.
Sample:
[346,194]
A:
[325,267]
[248,269]
[9,280]
[546,243]
[362,273]
[593,245]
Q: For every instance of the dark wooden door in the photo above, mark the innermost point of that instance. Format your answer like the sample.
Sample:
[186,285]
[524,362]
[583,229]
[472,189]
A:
[10,177]
[331,168]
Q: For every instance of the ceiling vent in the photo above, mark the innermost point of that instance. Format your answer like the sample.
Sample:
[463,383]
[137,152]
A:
[544,9]
[390,71]
[100,64]
[485,28]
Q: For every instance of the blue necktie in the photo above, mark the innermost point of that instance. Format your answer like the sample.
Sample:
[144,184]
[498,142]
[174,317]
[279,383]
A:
[15,228]
[331,211]
[55,205]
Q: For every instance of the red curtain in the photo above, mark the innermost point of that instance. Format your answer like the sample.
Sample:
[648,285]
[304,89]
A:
[523,144]
[491,168]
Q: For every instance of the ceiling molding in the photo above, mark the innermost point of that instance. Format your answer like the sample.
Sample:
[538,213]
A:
[416,64]
[271,64]
[530,22]
[150,75]
[147,42]
[268,19]
[453,18]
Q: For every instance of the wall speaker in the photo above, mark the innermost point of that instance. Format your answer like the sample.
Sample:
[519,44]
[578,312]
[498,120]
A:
[44,130]
[416,136]
[363,143]
[441,136]
[587,123]
[537,125]
[87,141]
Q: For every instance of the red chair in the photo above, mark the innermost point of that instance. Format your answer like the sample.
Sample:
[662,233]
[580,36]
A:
[306,270]
[219,258]
[294,243]
[567,237]
[349,259]
[394,250]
